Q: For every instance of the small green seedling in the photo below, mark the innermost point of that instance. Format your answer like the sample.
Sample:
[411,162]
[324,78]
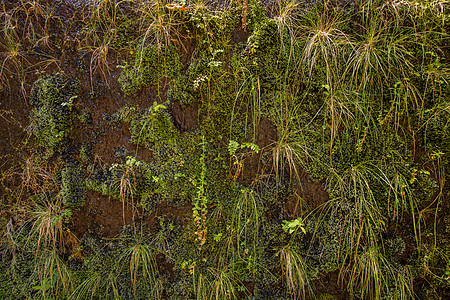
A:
[294,225]
[156,107]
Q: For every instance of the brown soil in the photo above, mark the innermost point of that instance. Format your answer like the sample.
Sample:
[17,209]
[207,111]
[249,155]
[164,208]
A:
[310,193]
[330,284]
[179,214]
[265,137]
[102,216]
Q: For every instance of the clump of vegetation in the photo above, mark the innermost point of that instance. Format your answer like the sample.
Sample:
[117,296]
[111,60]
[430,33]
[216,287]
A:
[151,64]
[73,188]
[153,126]
[53,98]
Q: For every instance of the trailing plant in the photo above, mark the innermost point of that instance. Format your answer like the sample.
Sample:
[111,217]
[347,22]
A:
[246,221]
[200,208]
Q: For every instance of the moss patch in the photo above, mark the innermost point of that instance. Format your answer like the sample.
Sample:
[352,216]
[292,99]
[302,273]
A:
[53,98]
[151,64]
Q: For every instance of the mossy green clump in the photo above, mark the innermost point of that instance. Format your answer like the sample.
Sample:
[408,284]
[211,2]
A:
[175,168]
[436,133]
[16,276]
[186,87]
[73,187]
[211,29]
[153,126]
[102,181]
[50,119]
[326,296]
[151,64]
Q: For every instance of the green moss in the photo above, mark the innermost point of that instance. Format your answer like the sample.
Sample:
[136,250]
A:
[73,186]
[264,37]
[211,29]
[153,127]
[27,272]
[124,31]
[255,14]
[326,296]
[151,64]
[101,180]
[435,132]
[16,280]
[186,87]
[85,153]
[50,119]
[359,143]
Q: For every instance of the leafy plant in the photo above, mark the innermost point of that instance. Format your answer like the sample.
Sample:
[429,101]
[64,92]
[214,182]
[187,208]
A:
[293,226]
[233,146]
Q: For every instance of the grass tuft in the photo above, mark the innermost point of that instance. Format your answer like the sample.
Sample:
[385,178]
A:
[48,217]
[295,272]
